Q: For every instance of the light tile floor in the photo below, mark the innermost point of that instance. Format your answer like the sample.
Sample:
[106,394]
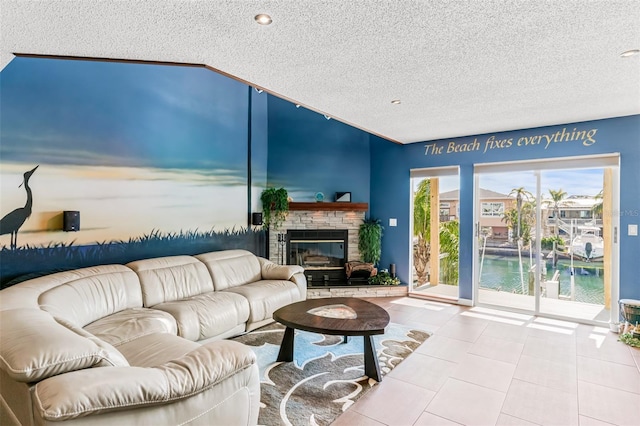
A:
[490,367]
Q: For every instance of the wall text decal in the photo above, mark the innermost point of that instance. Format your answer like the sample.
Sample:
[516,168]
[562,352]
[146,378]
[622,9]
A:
[587,137]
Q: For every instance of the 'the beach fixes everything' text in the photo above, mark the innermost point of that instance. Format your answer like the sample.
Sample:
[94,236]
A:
[586,137]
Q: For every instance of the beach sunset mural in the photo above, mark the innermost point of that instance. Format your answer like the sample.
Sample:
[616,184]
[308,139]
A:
[135,148]
[116,203]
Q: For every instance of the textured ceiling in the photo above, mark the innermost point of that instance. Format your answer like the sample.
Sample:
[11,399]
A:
[459,67]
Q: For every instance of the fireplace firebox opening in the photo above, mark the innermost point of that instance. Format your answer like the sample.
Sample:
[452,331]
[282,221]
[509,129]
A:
[321,252]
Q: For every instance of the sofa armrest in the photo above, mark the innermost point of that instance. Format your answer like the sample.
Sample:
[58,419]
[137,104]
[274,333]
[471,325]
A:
[98,390]
[273,271]
[294,273]
[33,346]
[301,281]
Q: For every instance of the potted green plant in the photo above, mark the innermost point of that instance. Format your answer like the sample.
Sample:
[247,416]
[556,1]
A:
[384,278]
[630,339]
[370,240]
[275,205]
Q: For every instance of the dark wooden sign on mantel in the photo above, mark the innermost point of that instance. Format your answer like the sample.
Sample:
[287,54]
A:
[324,206]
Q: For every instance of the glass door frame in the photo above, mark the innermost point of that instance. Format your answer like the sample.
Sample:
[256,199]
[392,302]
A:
[611,161]
[427,173]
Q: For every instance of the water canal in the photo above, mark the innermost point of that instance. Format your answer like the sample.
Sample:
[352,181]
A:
[502,273]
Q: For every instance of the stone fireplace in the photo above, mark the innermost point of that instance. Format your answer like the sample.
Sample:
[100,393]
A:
[341,217]
[336,232]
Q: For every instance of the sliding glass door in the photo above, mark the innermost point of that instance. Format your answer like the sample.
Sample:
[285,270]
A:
[546,237]
[578,234]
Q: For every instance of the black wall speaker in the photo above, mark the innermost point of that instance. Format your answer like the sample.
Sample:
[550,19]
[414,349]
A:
[70,221]
[256,218]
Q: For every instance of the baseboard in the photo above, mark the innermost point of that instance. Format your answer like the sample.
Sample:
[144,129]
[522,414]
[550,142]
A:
[440,298]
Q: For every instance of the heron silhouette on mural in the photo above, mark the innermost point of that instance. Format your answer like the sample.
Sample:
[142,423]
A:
[11,223]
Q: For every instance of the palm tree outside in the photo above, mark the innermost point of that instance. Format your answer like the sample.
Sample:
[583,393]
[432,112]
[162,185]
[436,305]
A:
[448,234]
[556,199]
[422,230]
[597,209]
[526,219]
[449,246]
[521,195]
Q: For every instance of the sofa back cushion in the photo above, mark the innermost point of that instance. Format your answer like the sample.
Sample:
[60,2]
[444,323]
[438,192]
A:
[165,279]
[231,268]
[85,295]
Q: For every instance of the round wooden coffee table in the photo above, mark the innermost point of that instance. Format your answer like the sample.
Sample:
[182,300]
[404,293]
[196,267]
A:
[341,316]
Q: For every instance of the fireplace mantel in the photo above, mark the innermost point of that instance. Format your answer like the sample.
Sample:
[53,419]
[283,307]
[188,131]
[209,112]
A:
[324,206]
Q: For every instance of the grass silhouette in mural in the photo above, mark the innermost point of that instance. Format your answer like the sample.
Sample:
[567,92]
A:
[11,222]
[30,261]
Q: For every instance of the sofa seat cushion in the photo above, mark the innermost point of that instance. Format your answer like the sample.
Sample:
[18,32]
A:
[153,350]
[132,324]
[207,315]
[113,357]
[266,296]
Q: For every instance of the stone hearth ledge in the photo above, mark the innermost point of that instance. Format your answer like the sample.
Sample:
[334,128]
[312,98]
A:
[364,291]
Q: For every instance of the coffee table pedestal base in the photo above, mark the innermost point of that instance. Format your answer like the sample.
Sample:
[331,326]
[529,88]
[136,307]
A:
[371,366]
[286,347]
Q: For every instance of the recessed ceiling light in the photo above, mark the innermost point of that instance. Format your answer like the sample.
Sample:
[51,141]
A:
[629,53]
[396,101]
[263,19]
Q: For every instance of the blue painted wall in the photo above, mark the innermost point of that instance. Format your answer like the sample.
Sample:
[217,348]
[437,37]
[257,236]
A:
[390,194]
[391,198]
[309,154]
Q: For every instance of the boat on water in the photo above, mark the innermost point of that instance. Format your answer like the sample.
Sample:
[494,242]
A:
[588,245]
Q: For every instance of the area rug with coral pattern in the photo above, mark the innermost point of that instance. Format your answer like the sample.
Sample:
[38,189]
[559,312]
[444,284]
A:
[326,376]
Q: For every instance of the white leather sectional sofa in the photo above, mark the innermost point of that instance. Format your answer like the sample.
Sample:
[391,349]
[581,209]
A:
[141,343]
